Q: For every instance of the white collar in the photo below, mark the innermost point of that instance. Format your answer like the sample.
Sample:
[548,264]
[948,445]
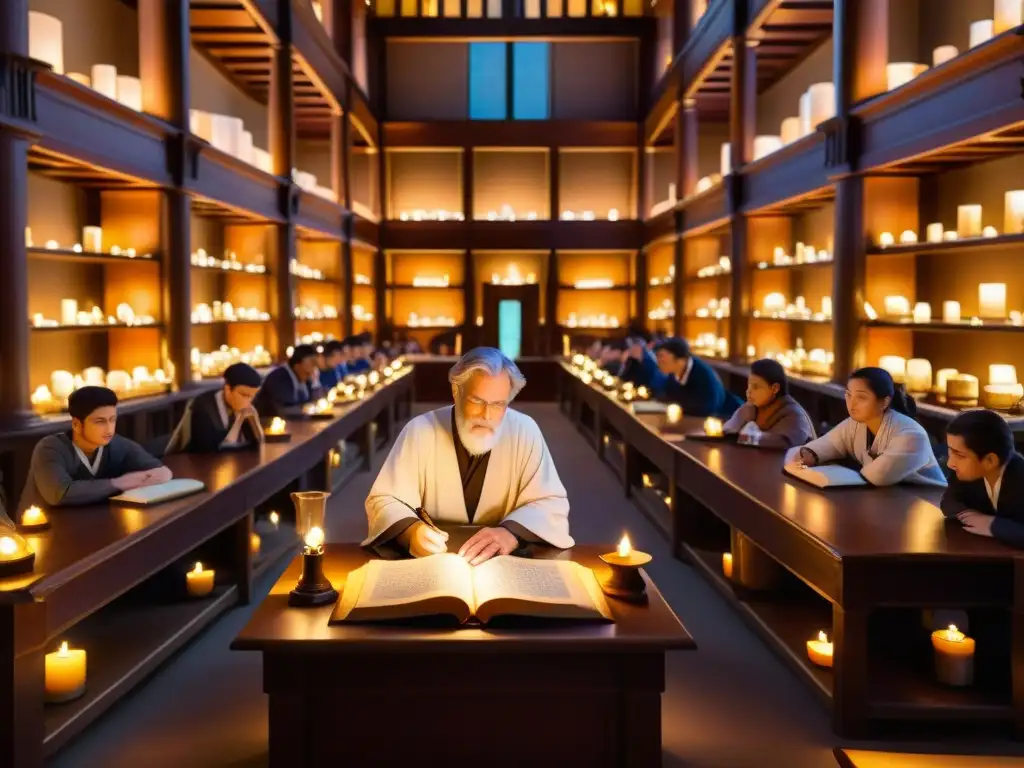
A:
[300,388]
[686,371]
[222,409]
[94,467]
[993,490]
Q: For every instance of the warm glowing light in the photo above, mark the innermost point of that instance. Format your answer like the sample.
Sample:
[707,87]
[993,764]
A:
[625,548]
[954,635]
[198,568]
[713,427]
[8,546]
[274,518]
[314,537]
[33,516]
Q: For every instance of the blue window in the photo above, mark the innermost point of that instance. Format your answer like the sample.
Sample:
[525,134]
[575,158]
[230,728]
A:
[487,86]
[530,81]
[510,327]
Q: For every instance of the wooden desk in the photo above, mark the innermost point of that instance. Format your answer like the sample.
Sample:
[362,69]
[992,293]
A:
[95,554]
[576,694]
[860,549]
[858,758]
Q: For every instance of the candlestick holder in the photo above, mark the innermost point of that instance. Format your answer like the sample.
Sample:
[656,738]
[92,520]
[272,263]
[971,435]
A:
[313,588]
[33,520]
[15,554]
[624,580]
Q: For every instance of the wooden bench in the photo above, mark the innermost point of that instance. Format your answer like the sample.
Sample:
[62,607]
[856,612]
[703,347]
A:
[858,758]
[110,578]
[861,551]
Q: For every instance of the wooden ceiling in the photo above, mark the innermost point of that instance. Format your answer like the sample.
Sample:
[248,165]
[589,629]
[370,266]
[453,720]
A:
[71,171]
[226,33]
[787,33]
[1009,141]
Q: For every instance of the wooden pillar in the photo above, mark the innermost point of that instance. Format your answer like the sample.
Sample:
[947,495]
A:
[554,336]
[554,175]
[640,286]
[742,127]
[338,23]
[281,131]
[679,281]
[380,279]
[682,23]
[165,40]
[15,135]
[848,277]
[685,140]
[469,331]
[347,281]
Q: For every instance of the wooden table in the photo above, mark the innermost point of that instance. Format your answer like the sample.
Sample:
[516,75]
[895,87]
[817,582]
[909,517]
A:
[92,555]
[862,550]
[362,694]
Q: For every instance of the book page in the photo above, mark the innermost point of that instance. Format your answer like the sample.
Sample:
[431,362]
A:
[394,582]
[554,582]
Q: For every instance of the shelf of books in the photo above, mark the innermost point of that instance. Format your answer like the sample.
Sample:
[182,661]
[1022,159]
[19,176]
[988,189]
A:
[596,295]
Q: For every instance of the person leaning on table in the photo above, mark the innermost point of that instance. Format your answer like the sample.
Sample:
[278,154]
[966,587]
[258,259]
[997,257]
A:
[881,437]
[770,418]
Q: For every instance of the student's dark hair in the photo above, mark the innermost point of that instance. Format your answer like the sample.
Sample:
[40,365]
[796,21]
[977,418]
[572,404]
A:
[84,401]
[772,372]
[333,346]
[676,347]
[302,352]
[880,383]
[242,375]
[637,329]
[984,432]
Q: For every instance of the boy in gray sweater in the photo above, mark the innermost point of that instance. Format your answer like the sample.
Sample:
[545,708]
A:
[91,463]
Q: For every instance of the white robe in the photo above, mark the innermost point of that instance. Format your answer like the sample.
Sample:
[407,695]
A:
[521,483]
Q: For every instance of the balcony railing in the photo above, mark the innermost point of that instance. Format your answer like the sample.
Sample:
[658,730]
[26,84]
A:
[496,9]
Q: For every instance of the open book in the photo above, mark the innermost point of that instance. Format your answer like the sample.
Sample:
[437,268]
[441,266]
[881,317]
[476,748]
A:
[826,476]
[447,584]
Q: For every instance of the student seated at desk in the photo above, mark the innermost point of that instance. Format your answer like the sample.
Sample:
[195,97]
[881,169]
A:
[290,385]
[92,463]
[986,492]
[881,436]
[222,420]
[333,365]
[770,418]
[362,352]
[674,375]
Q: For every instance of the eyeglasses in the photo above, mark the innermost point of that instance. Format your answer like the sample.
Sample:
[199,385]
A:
[482,405]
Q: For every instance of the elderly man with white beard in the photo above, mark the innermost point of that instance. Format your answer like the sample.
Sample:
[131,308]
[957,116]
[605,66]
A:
[477,463]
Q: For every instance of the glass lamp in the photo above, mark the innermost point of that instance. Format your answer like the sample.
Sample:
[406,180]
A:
[313,588]
[15,554]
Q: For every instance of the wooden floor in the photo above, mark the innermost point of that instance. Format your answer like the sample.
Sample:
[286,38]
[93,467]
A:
[731,704]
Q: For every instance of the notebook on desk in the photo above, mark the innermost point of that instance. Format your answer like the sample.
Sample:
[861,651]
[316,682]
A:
[446,585]
[648,406]
[157,494]
[826,476]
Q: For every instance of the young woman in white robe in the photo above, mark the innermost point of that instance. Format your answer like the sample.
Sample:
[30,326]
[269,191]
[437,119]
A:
[881,435]
[521,484]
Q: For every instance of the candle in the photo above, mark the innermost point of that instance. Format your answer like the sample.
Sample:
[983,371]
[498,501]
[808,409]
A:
[1000,373]
[934,232]
[1003,397]
[80,78]
[819,651]
[34,519]
[922,312]
[919,375]
[897,306]
[15,554]
[951,311]
[941,377]
[625,580]
[64,674]
[885,240]
[900,73]
[725,159]
[1008,14]
[129,92]
[727,564]
[46,40]
[981,31]
[642,393]
[954,656]
[68,311]
[198,581]
[92,239]
[822,97]
[992,301]
[908,237]
[254,543]
[944,53]
[104,80]
[790,130]
[673,413]
[276,426]
[566,350]
[274,519]
[968,220]
[1014,212]
[962,388]
[713,427]
[895,365]
[765,145]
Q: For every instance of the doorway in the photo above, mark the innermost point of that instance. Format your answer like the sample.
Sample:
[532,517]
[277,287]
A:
[512,319]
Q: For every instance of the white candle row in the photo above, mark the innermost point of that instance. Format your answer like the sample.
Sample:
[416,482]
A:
[419,214]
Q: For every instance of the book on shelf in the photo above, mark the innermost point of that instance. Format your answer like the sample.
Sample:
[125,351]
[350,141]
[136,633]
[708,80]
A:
[447,585]
[826,476]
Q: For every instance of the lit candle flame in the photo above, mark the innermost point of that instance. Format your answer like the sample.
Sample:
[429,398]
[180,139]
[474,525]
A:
[32,515]
[274,518]
[625,548]
[954,635]
[315,537]
[198,568]
[713,427]
[8,546]
[822,637]
[322,404]
[63,649]
[277,426]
